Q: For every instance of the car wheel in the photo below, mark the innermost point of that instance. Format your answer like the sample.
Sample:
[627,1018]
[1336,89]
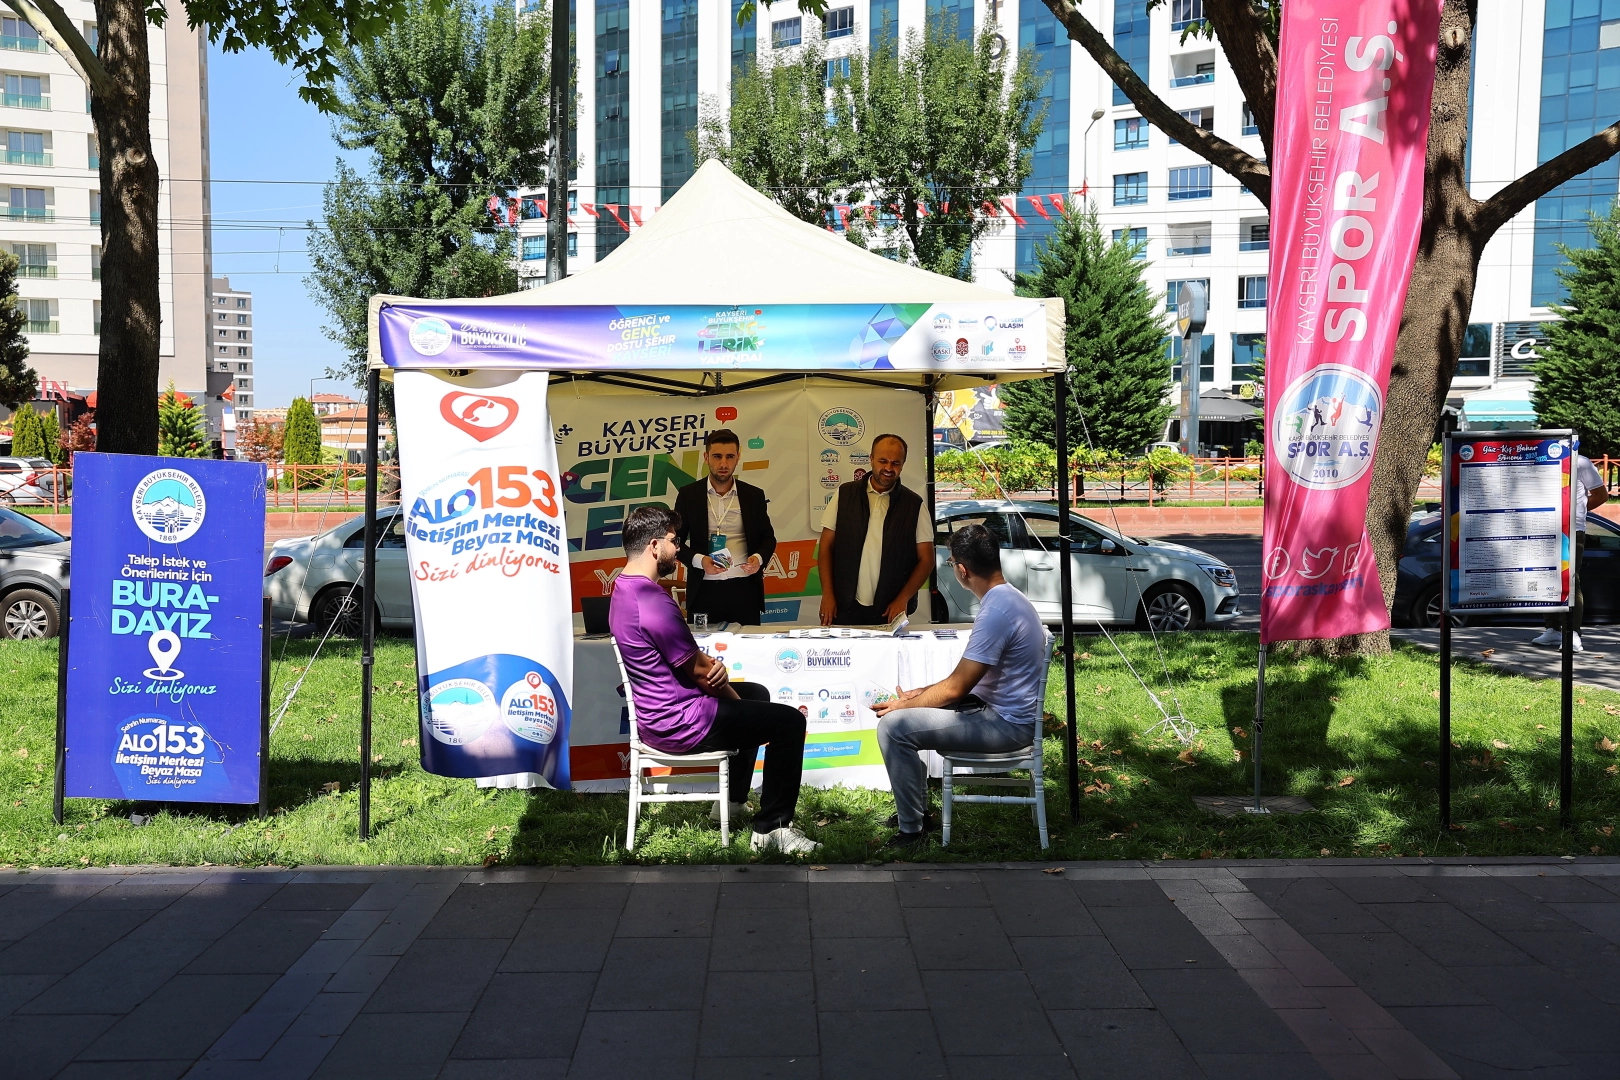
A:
[338,609]
[1169,608]
[28,615]
[1426,609]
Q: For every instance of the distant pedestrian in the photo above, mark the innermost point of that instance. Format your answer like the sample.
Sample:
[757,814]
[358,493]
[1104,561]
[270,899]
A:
[1588,493]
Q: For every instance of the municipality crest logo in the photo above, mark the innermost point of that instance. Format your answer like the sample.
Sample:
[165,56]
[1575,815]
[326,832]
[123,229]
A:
[168,506]
[430,336]
[788,659]
[1326,426]
[841,427]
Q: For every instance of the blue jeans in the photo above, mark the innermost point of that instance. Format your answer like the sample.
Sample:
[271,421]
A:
[901,734]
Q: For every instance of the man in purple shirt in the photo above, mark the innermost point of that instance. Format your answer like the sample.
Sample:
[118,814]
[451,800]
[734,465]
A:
[684,700]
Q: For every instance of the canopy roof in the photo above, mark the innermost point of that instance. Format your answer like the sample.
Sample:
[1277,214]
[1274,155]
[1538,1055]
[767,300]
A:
[719,247]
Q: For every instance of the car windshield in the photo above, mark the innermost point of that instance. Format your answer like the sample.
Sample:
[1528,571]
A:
[21,531]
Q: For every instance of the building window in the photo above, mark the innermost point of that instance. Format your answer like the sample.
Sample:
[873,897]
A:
[95,262]
[33,260]
[1475,361]
[39,316]
[837,23]
[17,35]
[1191,239]
[1248,354]
[884,32]
[1185,12]
[26,92]
[837,68]
[742,39]
[1131,134]
[1040,34]
[610,63]
[95,315]
[786,33]
[29,203]
[1198,118]
[241,367]
[678,109]
[1192,182]
[26,148]
[1255,236]
[1130,189]
[1136,237]
[222,319]
[240,351]
[94,155]
[953,16]
[222,332]
[1249,125]
[241,320]
[1172,289]
[612,122]
[1133,40]
[241,301]
[1252,292]
[95,208]
[534,247]
[241,335]
[1206,359]
[223,350]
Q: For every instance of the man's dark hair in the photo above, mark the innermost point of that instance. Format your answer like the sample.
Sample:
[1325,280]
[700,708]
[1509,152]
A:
[904,449]
[721,435]
[646,524]
[974,548]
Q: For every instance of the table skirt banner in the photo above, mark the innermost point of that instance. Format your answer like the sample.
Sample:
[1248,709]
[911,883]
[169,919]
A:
[833,680]
[489,574]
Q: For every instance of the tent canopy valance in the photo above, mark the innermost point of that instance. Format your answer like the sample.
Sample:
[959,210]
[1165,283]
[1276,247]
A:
[722,290]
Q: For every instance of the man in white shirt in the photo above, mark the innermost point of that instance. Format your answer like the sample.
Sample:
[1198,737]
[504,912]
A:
[877,544]
[1588,493]
[988,704]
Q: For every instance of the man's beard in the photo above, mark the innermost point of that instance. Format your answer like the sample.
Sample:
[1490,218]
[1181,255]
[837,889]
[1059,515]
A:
[666,567]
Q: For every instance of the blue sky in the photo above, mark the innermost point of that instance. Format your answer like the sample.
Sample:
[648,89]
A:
[270,155]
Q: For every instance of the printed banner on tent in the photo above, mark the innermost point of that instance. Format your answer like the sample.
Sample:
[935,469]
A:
[167,634]
[488,560]
[1353,88]
[969,337]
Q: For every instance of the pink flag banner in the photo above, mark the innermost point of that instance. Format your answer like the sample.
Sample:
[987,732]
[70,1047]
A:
[1354,81]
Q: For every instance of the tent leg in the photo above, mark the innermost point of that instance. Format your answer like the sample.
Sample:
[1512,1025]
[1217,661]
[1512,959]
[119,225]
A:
[368,594]
[931,402]
[1071,750]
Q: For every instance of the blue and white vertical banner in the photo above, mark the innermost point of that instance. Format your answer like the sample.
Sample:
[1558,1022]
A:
[166,632]
[488,557]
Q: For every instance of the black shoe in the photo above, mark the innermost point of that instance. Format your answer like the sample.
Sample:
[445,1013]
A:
[930,821]
[905,841]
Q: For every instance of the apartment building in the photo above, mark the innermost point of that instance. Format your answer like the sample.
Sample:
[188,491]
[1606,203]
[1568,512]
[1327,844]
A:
[1547,73]
[50,188]
[230,344]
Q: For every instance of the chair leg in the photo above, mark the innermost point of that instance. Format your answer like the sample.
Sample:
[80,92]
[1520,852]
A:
[944,806]
[635,790]
[725,802]
[1038,787]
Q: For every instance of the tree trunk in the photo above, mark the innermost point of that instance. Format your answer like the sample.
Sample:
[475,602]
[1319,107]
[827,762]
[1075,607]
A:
[131,312]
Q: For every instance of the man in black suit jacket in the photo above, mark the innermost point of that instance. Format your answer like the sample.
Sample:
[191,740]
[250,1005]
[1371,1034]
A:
[725,536]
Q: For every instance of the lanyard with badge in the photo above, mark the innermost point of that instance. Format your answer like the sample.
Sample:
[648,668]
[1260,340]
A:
[717,540]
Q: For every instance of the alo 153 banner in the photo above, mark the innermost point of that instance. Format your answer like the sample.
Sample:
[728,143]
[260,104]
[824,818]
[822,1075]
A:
[488,558]
[1354,80]
[167,630]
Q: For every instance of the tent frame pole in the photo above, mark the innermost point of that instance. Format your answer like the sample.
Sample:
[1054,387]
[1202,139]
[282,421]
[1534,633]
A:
[931,403]
[368,594]
[1071,750]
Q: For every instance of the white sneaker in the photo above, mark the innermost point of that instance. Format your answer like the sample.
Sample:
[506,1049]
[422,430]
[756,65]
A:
[787,840]
[1548,637]
[1577,643]
[739,812]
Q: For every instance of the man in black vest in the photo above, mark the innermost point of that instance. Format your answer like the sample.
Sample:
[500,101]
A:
[725,536]
[877,544]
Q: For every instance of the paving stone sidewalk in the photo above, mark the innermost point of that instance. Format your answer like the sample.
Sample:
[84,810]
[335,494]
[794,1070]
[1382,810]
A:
[1413,969]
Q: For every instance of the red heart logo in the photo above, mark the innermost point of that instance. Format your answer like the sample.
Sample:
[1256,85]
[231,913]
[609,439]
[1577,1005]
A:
[725,413]
[483,416]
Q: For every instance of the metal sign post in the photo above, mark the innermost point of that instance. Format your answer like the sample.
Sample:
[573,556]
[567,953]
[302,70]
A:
[1192,309]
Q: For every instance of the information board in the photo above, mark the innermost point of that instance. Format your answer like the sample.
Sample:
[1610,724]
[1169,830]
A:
[1507,535]
[165,630]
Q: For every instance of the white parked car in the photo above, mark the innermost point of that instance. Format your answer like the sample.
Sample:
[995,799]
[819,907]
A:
[311,578]
[26,481]
[1116,579]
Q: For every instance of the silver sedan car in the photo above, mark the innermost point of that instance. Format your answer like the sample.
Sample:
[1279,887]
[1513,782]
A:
[312,578]
[1116,579]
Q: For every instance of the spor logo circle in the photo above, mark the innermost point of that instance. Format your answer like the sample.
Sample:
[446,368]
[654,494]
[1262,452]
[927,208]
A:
[1325,429]
[168,506]
[430,336]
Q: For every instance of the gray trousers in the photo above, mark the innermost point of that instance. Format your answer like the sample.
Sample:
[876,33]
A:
[902,733]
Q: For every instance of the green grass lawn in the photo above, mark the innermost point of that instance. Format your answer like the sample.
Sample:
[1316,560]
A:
[1357,738]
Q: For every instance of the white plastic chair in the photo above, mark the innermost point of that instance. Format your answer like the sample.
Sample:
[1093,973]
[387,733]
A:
[979,764]
[643,757]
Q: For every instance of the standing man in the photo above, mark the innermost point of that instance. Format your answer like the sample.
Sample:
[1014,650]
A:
[877,544]
[1588,493]
[726,537]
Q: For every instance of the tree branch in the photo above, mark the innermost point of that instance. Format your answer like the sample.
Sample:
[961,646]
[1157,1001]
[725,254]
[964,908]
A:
[1255,174]
[53,24]
[1501,207]
[1253,56]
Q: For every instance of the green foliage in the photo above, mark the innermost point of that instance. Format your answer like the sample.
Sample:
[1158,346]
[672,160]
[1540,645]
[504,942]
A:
[301,438]
[27,433]
[181,431]
[451,102]
[18,381]
[1578,375]
[1118,366]
[50,433]
[930,136]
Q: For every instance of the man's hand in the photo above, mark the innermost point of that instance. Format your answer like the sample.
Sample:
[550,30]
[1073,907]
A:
[883,708]
[710,566]
[896,608]
[829,608]
[714,677]
[752,566]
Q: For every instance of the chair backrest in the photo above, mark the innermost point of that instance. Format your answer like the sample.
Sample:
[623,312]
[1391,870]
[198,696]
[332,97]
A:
[629,694]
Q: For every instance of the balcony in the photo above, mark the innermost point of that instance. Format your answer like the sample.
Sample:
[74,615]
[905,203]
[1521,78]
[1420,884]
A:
[25,101]
[17,43]
[1197,79]
[95,273]
[30,213]
[27,157]
[95,217]
[95,161]
[44,326]
[36,270]
[1175,249]
[1254,245]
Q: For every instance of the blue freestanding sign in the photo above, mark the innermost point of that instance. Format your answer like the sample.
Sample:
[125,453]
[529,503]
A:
[165,630]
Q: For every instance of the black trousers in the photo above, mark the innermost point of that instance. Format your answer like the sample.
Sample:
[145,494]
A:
[731,600]
[858,615]
[745,726]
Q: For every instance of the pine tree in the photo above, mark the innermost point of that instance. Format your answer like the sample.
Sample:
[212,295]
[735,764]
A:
[1578,375]
[18,382]
[180,426]
[50,434]
[27,440]
[301,443]
[1119,369]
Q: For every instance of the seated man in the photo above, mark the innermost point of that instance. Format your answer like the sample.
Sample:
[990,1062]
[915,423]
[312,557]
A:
[684,702]
[987,705]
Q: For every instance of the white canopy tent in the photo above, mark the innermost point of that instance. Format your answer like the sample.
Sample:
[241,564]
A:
[717,245]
